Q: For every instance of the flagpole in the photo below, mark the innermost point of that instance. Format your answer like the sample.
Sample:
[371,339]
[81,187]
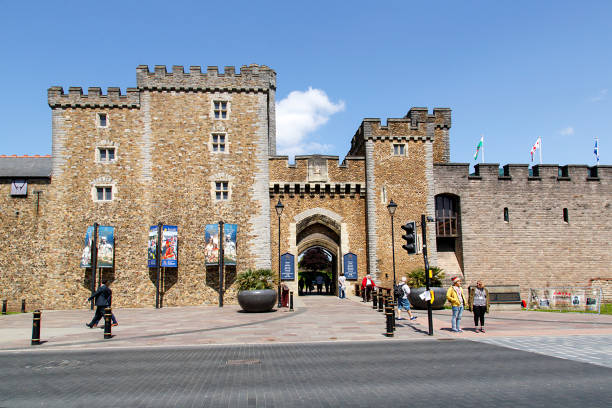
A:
[540,150]
[482,137]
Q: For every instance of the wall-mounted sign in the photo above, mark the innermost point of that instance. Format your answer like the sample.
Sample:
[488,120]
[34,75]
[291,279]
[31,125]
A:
[350,266]
[287,267]
[19,188]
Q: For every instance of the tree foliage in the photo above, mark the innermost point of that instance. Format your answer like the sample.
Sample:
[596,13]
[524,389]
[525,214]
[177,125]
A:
[256,279]
[416,278]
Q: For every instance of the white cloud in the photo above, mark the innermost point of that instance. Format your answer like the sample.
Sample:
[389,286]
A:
[568,131]
[298,116]
[601,95]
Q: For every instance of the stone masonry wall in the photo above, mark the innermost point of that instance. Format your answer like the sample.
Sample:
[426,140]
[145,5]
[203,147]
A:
[23,233]
[536,248]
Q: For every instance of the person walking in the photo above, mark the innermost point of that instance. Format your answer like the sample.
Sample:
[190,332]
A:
[403,302]
[456,298]
[342,286]
[104,299]
[478,303]
[367,285]
[319,280]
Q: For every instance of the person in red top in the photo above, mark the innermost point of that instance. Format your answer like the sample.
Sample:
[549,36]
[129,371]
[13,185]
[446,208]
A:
[367,284]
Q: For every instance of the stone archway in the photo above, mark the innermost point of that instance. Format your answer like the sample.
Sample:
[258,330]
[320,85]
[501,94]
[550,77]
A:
[322,228]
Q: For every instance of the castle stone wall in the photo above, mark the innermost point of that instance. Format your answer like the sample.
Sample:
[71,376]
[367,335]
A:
[536,248]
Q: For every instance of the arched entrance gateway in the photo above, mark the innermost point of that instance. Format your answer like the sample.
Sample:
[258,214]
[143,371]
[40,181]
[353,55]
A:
[318,244]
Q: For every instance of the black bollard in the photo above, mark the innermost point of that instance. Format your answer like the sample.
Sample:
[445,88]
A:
[4,307]
[374,300]
[36,328]
[107,323]
[389,317]
[22,305]
[381,302]
[291,301]
[392,305]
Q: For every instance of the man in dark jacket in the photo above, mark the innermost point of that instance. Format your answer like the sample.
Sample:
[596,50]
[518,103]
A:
[103,297]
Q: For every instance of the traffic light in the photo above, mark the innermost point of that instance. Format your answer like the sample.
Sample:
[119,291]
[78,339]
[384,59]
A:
[410,237]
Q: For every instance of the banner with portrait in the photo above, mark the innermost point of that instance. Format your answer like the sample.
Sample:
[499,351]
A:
[229,243]
[86,254]
[152,247]
[211,244]
[106,247]
[169,249]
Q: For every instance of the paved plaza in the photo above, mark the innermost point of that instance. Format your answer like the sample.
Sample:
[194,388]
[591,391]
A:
[328,352]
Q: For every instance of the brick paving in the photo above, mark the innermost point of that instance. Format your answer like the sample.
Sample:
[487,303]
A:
[315,319]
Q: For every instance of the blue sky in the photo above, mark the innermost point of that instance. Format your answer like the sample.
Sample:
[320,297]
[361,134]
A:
[513,71]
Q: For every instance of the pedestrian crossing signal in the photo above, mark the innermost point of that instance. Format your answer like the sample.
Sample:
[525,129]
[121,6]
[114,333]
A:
[410,237]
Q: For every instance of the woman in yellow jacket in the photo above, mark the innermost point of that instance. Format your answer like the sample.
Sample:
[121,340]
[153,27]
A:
[456,297]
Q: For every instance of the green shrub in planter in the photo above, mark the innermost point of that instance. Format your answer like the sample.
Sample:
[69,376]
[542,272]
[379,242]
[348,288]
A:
[416,278]
[256,279]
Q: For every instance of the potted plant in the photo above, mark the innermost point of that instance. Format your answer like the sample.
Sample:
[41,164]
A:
[256,290]
[416,281]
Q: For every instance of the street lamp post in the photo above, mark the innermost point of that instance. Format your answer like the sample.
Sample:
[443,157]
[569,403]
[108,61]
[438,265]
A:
[392,207]
[279,210]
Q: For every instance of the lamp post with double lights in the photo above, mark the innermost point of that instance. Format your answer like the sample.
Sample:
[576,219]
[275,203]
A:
[392,207]
[279,210]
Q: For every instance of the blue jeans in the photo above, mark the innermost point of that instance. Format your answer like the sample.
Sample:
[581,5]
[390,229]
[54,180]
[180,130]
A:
[341,293]
[457,312]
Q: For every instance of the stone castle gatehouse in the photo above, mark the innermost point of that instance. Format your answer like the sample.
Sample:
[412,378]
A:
[193,148]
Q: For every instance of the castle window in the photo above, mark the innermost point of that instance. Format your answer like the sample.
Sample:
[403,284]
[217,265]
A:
[399,149]
[220,109]
[106,154]
[102,120]
[218,142]
[506,215]
[104,193]
[221,190]
[565,215]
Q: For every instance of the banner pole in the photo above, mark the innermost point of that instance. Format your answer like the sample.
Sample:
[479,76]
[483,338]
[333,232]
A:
[221,255]
[158,263]
[94,260]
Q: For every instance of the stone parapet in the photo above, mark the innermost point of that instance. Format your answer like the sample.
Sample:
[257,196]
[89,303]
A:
[251,78]
[93,99]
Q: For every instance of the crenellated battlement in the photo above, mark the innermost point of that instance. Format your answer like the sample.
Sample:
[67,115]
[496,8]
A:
[317,169]
[251,78]
[93,98]
[542,173]
[417,125]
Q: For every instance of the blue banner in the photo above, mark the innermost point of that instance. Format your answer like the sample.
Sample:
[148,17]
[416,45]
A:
[350,266]
[152,247]
[287,267]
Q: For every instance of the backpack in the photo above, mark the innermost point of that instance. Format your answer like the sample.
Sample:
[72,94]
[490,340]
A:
[397,291]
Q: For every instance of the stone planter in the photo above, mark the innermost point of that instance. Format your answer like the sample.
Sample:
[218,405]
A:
[417,303]
[255,301]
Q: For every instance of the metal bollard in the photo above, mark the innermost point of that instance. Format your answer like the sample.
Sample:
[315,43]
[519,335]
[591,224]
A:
[4,307]
[291,301]
[389,317]
[381,302]
[392,305]
[36,328]
[107,323]
[22,305]
[374,300]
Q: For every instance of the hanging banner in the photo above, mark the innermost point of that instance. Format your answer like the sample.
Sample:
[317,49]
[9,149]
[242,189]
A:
[169,249]
[86,255]
[106,246]
[211,246]
[152,247]
[350,266]
[229,244]
[287,267]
